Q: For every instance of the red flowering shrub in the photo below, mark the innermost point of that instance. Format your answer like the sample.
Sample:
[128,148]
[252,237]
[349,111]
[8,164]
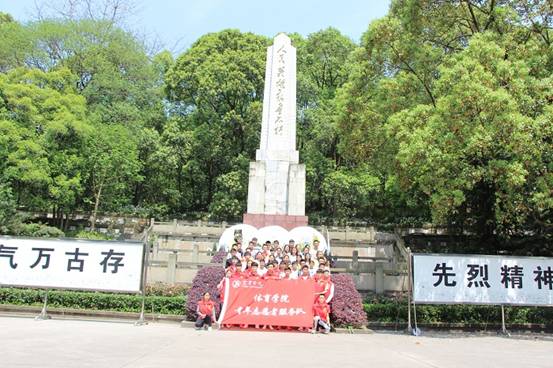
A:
[219,257]
[347,304]
[206,279]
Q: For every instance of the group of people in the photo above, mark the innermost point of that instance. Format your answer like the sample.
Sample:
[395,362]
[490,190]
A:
[271,261]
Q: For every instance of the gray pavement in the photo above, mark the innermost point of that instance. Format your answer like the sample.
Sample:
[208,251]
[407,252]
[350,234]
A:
[76,343]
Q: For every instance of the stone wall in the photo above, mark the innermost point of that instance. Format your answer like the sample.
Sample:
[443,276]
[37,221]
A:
[375,260]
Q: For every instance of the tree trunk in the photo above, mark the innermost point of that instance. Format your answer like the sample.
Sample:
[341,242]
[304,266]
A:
[96,204]
[66,222]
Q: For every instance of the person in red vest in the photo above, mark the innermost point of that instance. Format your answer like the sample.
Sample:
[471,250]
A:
[206,312]
[238,271]
[221,286]
[322,286]
[232,265]
[304,273]
[252,273]
[272,272]
[321,315]
[288,273]
[329,291]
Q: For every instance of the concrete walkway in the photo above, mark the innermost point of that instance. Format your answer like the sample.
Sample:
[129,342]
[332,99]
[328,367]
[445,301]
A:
[76,343]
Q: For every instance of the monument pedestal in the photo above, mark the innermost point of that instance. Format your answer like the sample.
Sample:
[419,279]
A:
[260,220]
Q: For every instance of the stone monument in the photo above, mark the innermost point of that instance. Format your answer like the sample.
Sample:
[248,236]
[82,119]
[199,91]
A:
[276,188]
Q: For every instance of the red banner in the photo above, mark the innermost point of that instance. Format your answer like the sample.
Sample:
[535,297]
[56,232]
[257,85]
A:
[286,303]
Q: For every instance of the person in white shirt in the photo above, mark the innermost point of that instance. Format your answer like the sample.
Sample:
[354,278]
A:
[315,247]
[261,270]
[233,253]
[312,268]
[295,270]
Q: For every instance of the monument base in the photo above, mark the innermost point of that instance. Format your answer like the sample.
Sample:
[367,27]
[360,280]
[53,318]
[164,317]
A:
[260,220]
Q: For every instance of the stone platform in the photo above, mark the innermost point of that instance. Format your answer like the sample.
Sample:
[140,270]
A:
[72,343]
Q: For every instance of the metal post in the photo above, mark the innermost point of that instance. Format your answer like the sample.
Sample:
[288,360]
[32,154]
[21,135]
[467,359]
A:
[43,313]
[415,331]
[503,326]
[409,291]
[141,320]
[328,240]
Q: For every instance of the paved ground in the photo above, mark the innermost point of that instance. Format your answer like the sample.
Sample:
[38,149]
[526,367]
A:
[76,343]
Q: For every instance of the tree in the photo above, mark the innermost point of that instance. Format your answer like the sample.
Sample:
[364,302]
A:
[215,88]
[113,167]
[44,125]
[483,155]
[322,69]
[397,90]
[8,214]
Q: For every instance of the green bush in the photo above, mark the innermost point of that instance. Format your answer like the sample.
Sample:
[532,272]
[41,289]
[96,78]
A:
[395,311]
[36,230]
[93,235]
[94,300]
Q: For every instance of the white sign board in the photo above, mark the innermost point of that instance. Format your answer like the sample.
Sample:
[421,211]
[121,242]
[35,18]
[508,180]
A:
[482,279]
[71,264]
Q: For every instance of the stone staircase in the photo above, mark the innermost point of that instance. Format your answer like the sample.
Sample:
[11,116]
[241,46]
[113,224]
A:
[376,260]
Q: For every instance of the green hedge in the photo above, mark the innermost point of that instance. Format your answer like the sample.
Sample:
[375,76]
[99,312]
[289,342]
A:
[94,300]
[378,309]
[396,312]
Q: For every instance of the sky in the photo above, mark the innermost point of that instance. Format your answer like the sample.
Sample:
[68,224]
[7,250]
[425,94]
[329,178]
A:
[178,23]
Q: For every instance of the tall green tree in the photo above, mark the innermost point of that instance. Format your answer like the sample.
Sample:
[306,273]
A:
[113,167]
[216,88]
[435,82]
[44,125]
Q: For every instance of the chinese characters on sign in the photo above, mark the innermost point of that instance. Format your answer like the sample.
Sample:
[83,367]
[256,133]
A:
[482,279]
[268,310]
[73,263]
[281,86]
[76,264]
[276,302]
[478,276]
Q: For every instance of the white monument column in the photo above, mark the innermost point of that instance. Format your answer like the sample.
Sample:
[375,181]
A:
[276,190]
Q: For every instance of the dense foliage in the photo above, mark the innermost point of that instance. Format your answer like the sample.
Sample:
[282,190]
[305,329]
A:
[347,305]
[442,113]
[394,311]
[161,304]
[206,280]
[219,257]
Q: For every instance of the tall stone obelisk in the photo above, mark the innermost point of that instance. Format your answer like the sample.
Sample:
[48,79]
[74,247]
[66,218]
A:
[276,189]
